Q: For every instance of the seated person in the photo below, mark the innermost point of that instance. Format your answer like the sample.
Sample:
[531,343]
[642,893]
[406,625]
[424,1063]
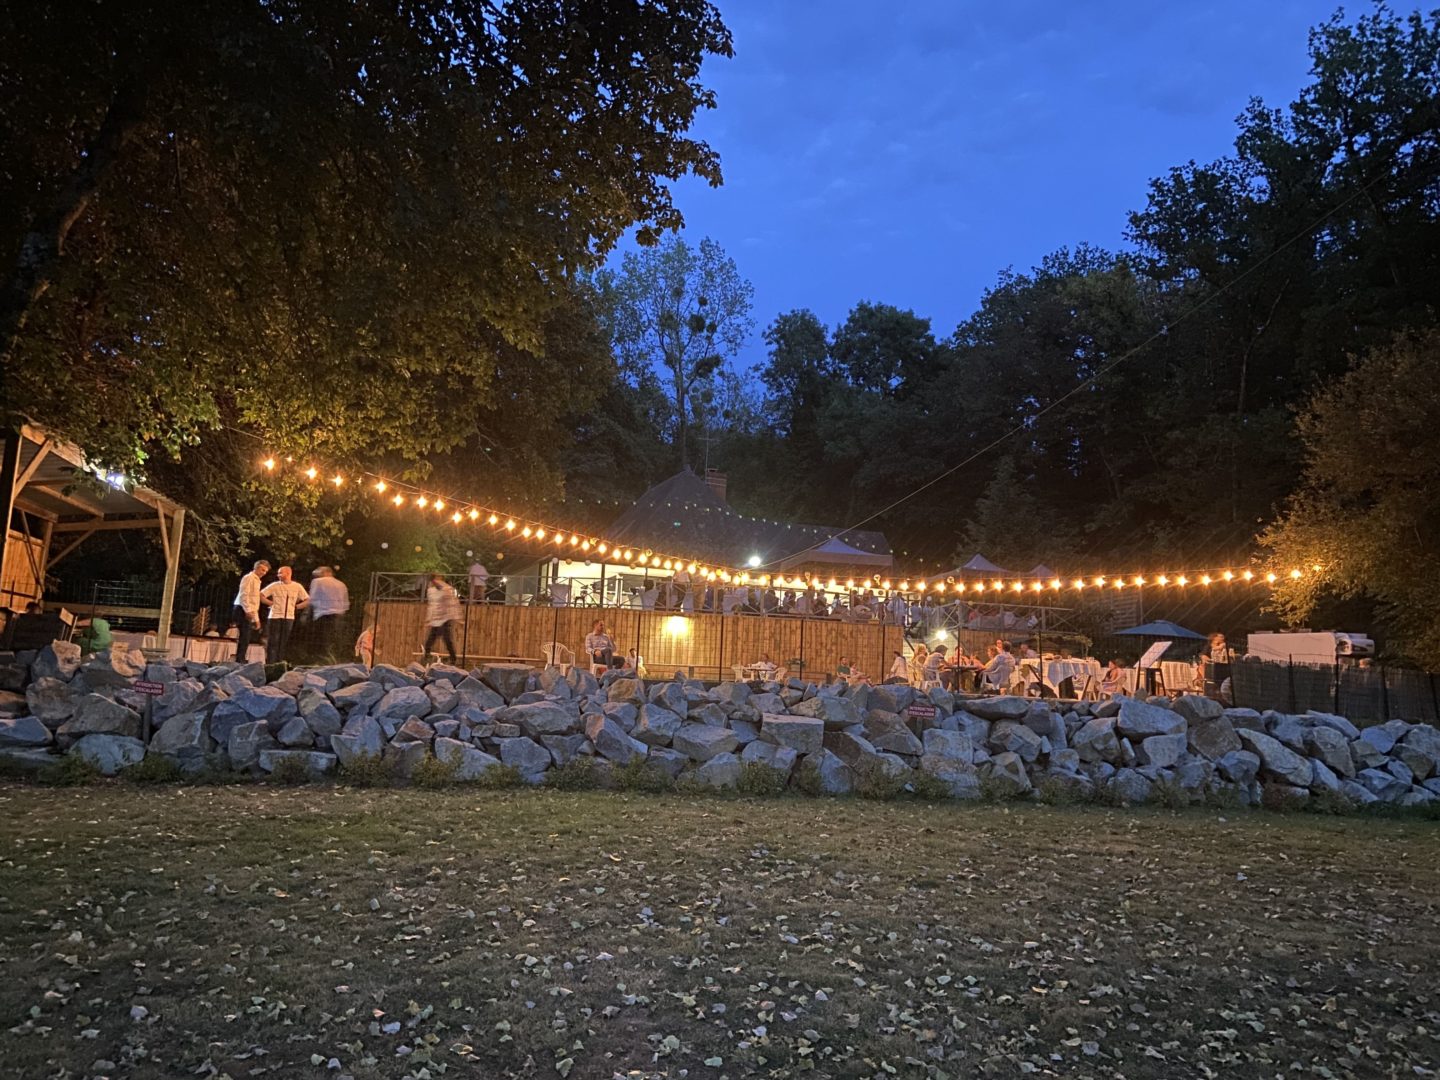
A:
[937,667]
[764,667]
[843,668]
[996,674]
[97,636]
[1027,653]
[1112,681]
[899,670]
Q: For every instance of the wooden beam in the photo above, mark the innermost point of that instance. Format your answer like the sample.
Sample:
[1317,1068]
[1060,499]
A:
[102,524]
[68,548]
[171,539]
[41,453]
[68,498]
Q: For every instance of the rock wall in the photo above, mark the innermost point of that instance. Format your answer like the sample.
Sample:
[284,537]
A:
[831,739]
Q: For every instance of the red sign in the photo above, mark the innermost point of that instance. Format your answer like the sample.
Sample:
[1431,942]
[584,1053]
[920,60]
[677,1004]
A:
[154,689]
[921,711]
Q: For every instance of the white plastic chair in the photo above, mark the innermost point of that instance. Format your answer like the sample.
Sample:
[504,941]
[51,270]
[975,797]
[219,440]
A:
[557,655]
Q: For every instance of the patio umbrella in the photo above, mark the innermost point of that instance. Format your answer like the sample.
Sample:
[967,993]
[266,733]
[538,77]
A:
[1161,628]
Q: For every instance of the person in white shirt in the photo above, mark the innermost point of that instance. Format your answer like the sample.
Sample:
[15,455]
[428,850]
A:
[479,582]
[442,608]
[899,669]
[329,601]
[1001,666]
[681,581]
[599,645]
[247,609]
[286,598]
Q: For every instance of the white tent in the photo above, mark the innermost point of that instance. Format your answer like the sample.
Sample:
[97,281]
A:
[835,551]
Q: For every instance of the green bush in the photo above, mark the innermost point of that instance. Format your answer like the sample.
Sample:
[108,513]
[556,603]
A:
[367,770]
[806,779]
[499,777]
[578,774]
[1273,797]
[71,770]
[1225,797]
[874,781]
[1053,791]
[757,778]
[993,789]
[433,773]
[929,787]
[290,772]
[1168,793]
[1329,802]
[638,774]
[153,769]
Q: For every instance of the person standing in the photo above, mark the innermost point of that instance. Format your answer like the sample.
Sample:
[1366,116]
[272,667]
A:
[442,610]
[599,645]
[286,597]
[681,581]
[247,609]
[479,582]
[329,601]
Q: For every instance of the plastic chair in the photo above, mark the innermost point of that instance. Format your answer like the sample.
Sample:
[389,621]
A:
[557,655]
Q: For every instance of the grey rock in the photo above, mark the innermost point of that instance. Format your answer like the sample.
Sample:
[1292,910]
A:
[720,771]
[114,667]
[1383,785]
[804,734]
[109,753]
[404,701]
[736,693]
[324,720]
[629,691]
[58,660]
[833,775]
[1289,732]
[29,758]
[1161,751]
[745,731]
[1336,723]
[268,703]
[625,714]
[1196,707]
[184,736]
[295,734]
[315,763]
[1006,774]
[610,740]
[836,712]
[1068,760]
[180,696]
[1097,740]
[709,713]
[524,754]
[443,696]
[404,758]
[541,718]
[246,743]
[469,762]
[12,703]
[1014,738]
[998,708]
[472,691]
[225,717]
[415,730]
[1137,720]
[1129,786]
[1322,778]
[13,676]
[96,715]
[1278,760]
[657,724]
[1212,738]
[894,698]
[361,738]
[1194,777]
[671,762]
[670,696]
[888,733]
[1107,708]
[565,748]
[1238,766]
[1378,738]
[1330,745]
[977,729]
[780,758]
[962,778]
[51,700]
[1278,792]
[24,731]
[233,683]
[950,745]
[765,703]
[1357,793]
[701,742]
[1244,718]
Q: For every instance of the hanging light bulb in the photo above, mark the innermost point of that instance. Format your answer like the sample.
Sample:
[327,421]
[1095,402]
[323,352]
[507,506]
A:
[1079,583]
[1139,579]
[312,472]
[1055,583]
[492,520]
[380,486]
[527,531]
[1228,575]
[439,505]
[1247,575]
[422,502]
[473,514]
[510,525]
[399,500]
[337,479]
[1295,574]
[1100,581]
[604,548]
[1204,579]
[269,464]
[1162,580]
[539,534]
[1270,577]
[1182,580]
[456,517]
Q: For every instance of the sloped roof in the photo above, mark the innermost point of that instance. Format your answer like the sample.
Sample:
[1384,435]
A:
[682,514]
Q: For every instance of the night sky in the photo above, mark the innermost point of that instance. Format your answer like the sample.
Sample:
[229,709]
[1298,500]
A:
[906,152]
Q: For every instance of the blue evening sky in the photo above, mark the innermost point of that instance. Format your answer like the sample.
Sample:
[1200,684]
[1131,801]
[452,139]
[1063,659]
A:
[905,152]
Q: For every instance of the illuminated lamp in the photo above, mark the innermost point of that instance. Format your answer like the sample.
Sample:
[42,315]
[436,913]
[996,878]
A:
[269,464]
[399,500]
[422,502]
[1270,577]
[474,514]
[1162,580]
[337,479]
[1248,575]
[455,517]
[1295,574]
[1182,580]
[1204,579]
[380,485]
[527,531]
[510,525]
[312,472]
[492,520]
[1228,576]
[1079,583]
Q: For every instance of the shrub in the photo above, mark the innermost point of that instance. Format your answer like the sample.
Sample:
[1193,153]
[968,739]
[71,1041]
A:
[578,774]
[1275,797]
[806,779]
[499,777]
[1168,793]
[874,781]
[639,774]
[1224,797]
[994,789]
[153,769]
[1053,791]
[368,770]
[71,770]
[1326,801]
[433,773]
[757,778]
[290,772]
[929,787]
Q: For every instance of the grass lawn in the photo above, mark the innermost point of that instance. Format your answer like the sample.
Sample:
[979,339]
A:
[249,931]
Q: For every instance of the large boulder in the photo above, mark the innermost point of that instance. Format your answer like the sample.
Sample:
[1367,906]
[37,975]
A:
[1424,739]
[731,693]
[295,734]
[630,691]
[507,680]
[671,696]
[1238,766]
[361,695]
[1329,744]
[402,759]
[13,703]
[58,660]
[1378,738]
[472,691]
[1212,738]
[1383,785]
[526,755]
[224,718]
[13,676]
[720,771]
[109,753]
[610,740]
[701,742]
[671,762]
[246,743]
[96,715]
[51,700]
[836,712]
[892,697]
[24,731]
[780,758]
[539,718]
[1277,759]
[1161,751]
[624,714]
[1097,740]
[950,745]
[186,736]
[657,724]
[442,695]
[998,708]
[268,703]
[1338,723]
[887,732]
[1137,720]
[1288,732]
[414,730]
[180,696]
[1196,707]
[962,778]
[361,738]
[1130,786]
[314,762]
[470,762]
[566,748]
[803,734]
[832,775]
[1420,764]
[709,713]
[1009,737]
[403,701]
[117,666]
[1007,776]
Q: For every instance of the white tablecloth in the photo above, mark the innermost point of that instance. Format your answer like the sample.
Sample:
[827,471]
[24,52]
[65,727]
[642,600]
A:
[1057,671]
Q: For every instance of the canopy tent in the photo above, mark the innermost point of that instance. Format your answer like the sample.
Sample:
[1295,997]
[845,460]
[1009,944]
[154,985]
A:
[979,564]
[53,498]
[1161,628]
[835,551]
[1040,570]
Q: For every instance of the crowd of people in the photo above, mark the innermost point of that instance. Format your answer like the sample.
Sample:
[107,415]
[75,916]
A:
[282,603]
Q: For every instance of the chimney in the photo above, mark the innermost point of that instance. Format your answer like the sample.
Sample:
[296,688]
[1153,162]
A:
[716,479]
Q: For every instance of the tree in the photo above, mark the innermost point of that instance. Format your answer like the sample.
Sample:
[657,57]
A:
[347,230]
[680,309]
[881,347]
[1367,512]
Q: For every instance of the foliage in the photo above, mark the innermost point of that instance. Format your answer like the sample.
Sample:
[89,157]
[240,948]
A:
[680,310]
[367,770]
[1368,508]
[153,769]
[180,259]
[873,780]
[760,780]
[433,773]
[577,774]
[639,774]
[806,778]
[499,778]
[289,772]
[69,770]
[928,787]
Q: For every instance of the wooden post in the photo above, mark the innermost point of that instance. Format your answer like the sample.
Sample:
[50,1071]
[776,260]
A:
[170,541]
[9,470]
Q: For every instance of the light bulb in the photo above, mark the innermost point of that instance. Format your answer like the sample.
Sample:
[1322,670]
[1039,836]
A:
[269,463]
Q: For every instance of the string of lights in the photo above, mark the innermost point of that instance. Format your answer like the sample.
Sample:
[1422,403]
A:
[547,540]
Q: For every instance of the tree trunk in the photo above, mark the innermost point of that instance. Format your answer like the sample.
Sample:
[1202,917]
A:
[680,424]
[44,241]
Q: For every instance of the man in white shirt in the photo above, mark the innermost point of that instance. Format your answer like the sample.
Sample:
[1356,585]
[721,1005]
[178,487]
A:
[286,598]
[329,601]
[442,607]
[997,672]
[599,646]
[479,582]
[247,609]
